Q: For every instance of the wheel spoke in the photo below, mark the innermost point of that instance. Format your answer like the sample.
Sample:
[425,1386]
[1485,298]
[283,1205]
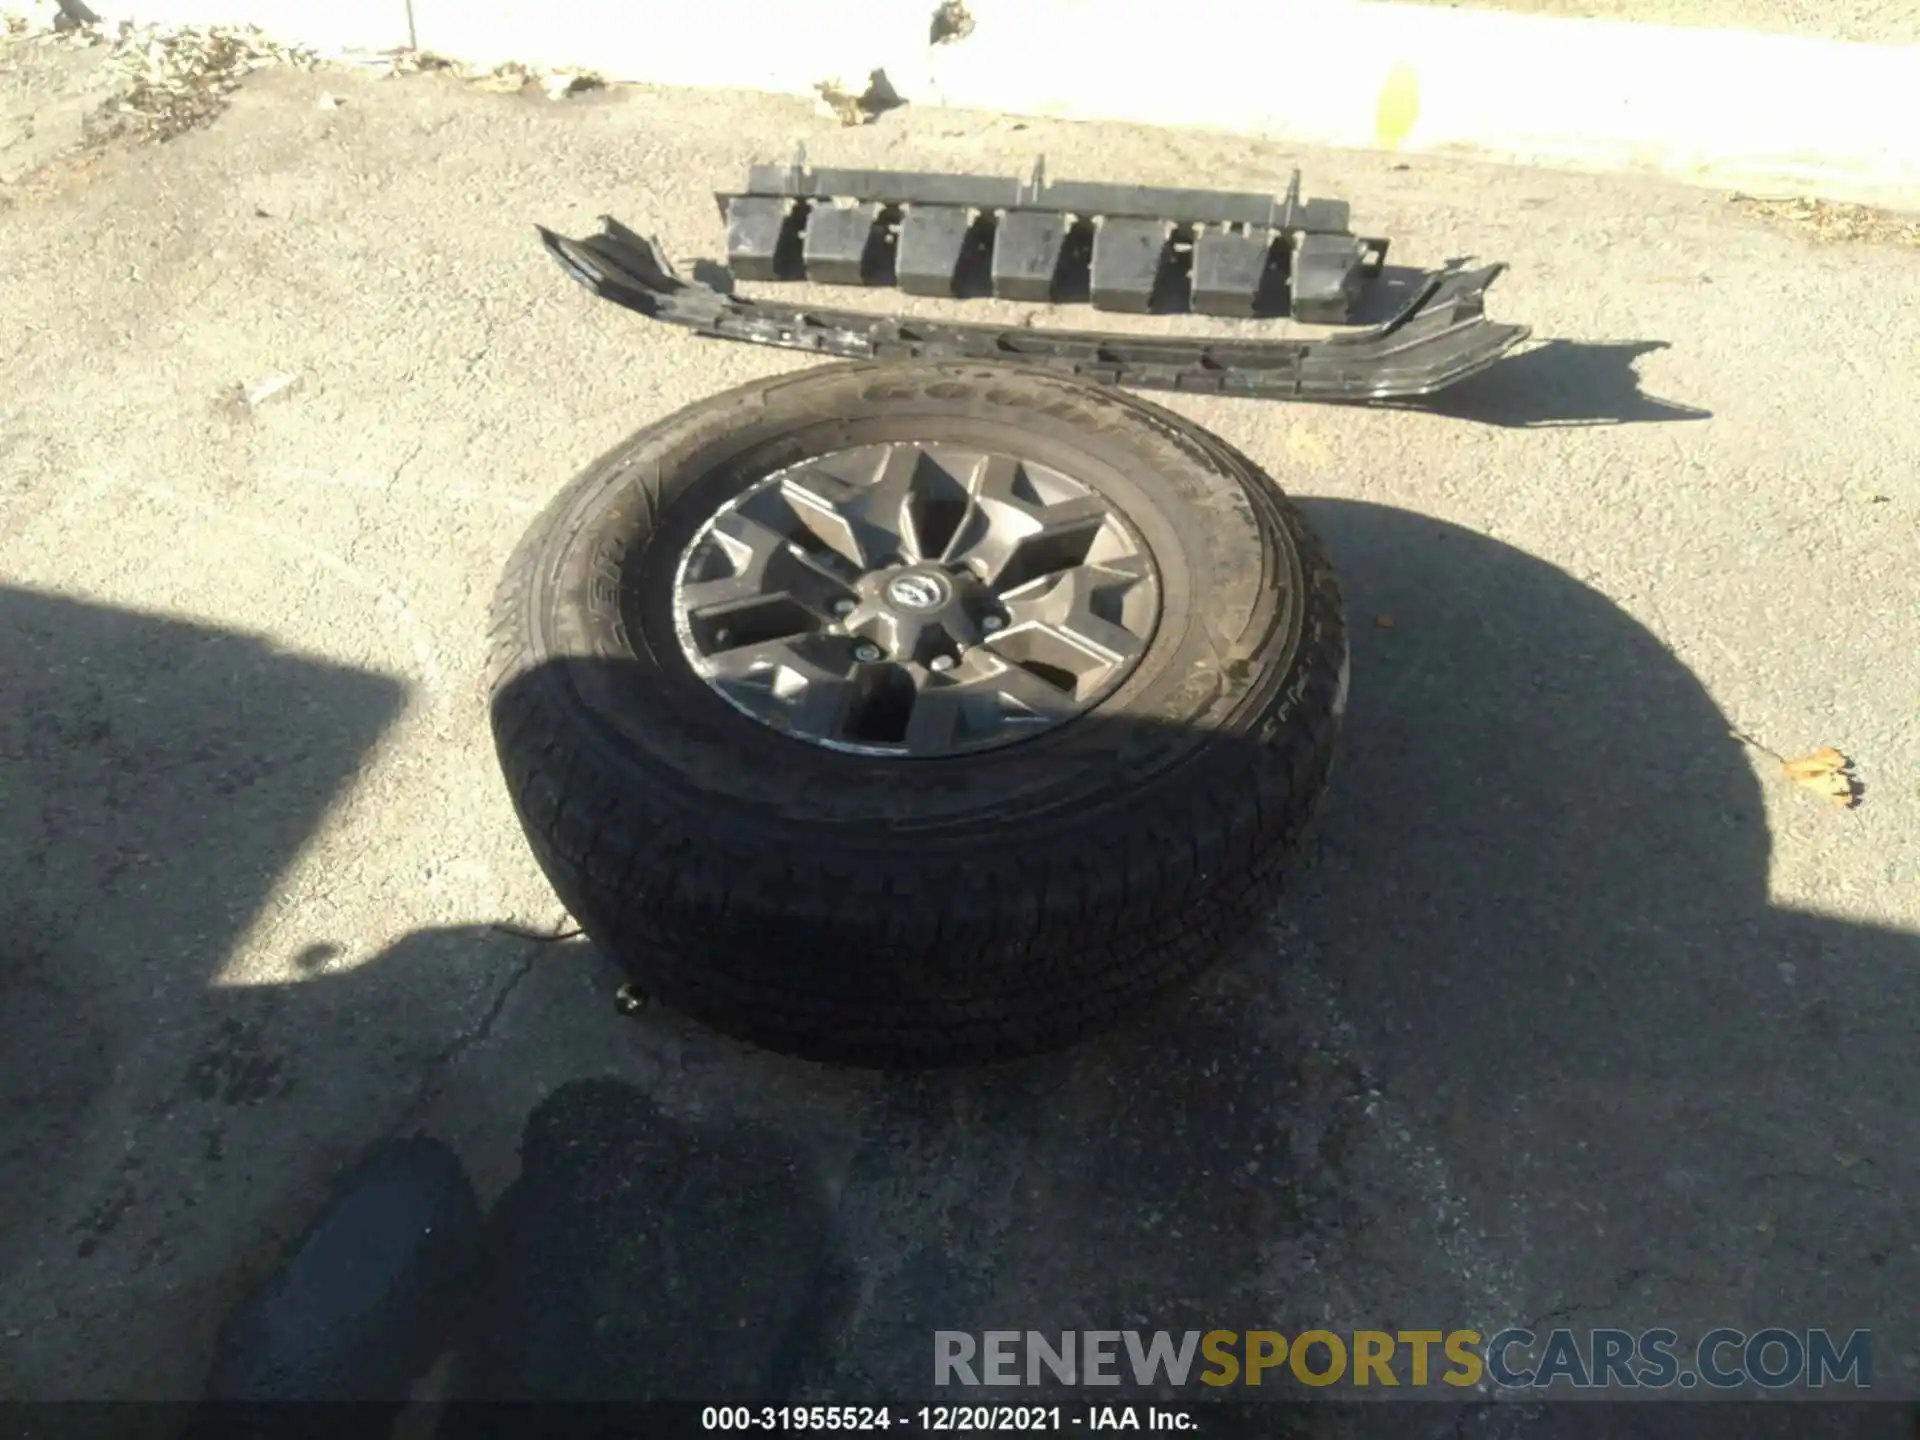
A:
[885,507]
[805,680]
[822,705]
[866,520]
[801,578]
[731,564]
[778,583]
[761,663]
[998,487]
[935,721]
[819,498]
[1023,694]
[939,506]
[1077,607]
[1017,535]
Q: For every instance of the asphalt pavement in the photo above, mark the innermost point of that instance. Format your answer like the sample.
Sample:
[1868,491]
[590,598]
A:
[1579,1012]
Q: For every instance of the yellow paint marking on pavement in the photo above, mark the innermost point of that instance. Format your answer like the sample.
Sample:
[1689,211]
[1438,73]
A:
[1399,107]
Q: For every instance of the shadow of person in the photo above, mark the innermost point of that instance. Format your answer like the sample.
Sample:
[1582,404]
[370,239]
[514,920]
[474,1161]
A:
[638,1257]
[634,1257]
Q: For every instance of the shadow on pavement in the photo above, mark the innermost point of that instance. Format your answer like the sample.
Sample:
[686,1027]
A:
[158,776]
[1526,1045]
[1561,383]
[165,1116]
[1393,289]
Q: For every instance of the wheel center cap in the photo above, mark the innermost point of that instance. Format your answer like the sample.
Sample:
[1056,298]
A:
[917,592]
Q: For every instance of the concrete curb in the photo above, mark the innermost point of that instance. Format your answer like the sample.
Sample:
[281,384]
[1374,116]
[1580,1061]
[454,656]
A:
[1718,107]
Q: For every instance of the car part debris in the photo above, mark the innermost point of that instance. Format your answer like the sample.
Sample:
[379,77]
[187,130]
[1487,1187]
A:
[1441,336]
[877,714]
[1133,247]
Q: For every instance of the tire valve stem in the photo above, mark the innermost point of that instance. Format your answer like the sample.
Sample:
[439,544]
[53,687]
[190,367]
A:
[991,623]
[843,606]
[866,653]
[941,663]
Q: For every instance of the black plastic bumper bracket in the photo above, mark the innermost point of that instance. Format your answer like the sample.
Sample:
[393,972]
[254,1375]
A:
[840,246]
[933,240]
[1143,239]
[1027,247]
[1128,256]
[1441,336]
[1229,269]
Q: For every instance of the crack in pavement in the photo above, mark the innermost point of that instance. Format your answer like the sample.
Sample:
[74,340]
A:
[413,454]
[491,333]
[432,1083]
[1624,1282]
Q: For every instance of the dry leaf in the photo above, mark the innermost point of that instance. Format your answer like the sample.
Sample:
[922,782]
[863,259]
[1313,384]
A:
[850,106]
[841,103]
[399,61]
[1824,761]
[561,83]
[951,22]
[172,79]
[1824,772]
[1827,221]
[508,79]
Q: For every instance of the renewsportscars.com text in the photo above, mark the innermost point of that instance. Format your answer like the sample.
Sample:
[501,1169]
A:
[1599,1359]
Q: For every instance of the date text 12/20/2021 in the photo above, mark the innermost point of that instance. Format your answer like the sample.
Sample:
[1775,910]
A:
[948,1419]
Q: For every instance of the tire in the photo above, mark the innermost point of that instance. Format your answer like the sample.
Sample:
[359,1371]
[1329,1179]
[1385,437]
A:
[914,912]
